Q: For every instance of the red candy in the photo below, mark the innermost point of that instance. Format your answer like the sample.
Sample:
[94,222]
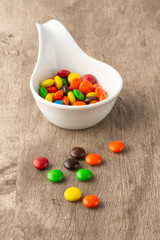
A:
[52,89]
[63,73]
[89,77]
[40,162]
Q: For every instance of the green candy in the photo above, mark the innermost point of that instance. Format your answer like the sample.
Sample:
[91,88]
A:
[43,92]
[78,94]
[64,81]
[55,175]
[83,174]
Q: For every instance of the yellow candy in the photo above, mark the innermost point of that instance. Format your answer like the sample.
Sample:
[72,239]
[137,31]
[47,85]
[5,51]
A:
[71,76]
[71,97]
[58,82]
[91,94]
[72,194]
[47,83]
[49,97]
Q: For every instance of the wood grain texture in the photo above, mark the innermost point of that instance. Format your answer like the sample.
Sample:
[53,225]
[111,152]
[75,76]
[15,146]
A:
[124,34]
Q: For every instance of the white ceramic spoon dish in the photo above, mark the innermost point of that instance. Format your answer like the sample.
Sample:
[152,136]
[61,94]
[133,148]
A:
[58,50]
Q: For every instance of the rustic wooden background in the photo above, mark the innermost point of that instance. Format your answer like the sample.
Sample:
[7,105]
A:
[126,35]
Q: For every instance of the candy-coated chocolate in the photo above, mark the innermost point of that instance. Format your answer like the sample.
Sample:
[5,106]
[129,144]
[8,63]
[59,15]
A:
[58,95]
[94,101]
[71,97]
[64,81]
[89,77]
[65,100]
[71,76]
[91,94]
[116,146]
[40,162]
[52,89]
[55,175]
[43,92]
[58,82]
[65,90]
[83,174]
[78,152]
[103,96]
[72,194]
[63,73]
[59,102]
[79,95]
[98,91]
[90,99]
[95,85]
[47,83]
[48,97]
[93,159]
[91,201]
[85,87]
[71,164]
[78,103]
[74,84]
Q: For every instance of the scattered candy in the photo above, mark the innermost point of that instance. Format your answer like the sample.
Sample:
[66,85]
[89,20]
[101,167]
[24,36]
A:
[83,174]
[55,175]
[91,201]
[93,159]
[40,162]
[72,194]
[77,152]
[116,146]
[79,91]
[71,164]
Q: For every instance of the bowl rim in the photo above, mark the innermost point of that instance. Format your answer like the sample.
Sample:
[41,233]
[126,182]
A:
[80,107]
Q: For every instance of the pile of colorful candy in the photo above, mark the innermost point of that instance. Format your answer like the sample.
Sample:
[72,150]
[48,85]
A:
[70,89]
[83,174]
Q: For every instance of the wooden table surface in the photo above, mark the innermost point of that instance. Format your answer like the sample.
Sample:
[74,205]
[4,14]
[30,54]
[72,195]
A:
[126,35]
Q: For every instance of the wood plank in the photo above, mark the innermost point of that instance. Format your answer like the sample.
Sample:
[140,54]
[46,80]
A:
[125,35]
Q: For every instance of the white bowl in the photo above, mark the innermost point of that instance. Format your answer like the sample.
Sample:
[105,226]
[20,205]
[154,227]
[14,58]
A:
[58,50]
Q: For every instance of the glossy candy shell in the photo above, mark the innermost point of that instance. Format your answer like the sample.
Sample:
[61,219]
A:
[40,162]
[91,201]
[83,174]
[55,175]
[72,194]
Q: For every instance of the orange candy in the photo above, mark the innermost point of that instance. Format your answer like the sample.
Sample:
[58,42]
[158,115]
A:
[78,103]
[74,84]
[94,101]
[93,159]
[52,89]
[98,91]
[103,96]
[116,146]
[65,100]
[58,95]
[91,201]
[95,85]
[85,87]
